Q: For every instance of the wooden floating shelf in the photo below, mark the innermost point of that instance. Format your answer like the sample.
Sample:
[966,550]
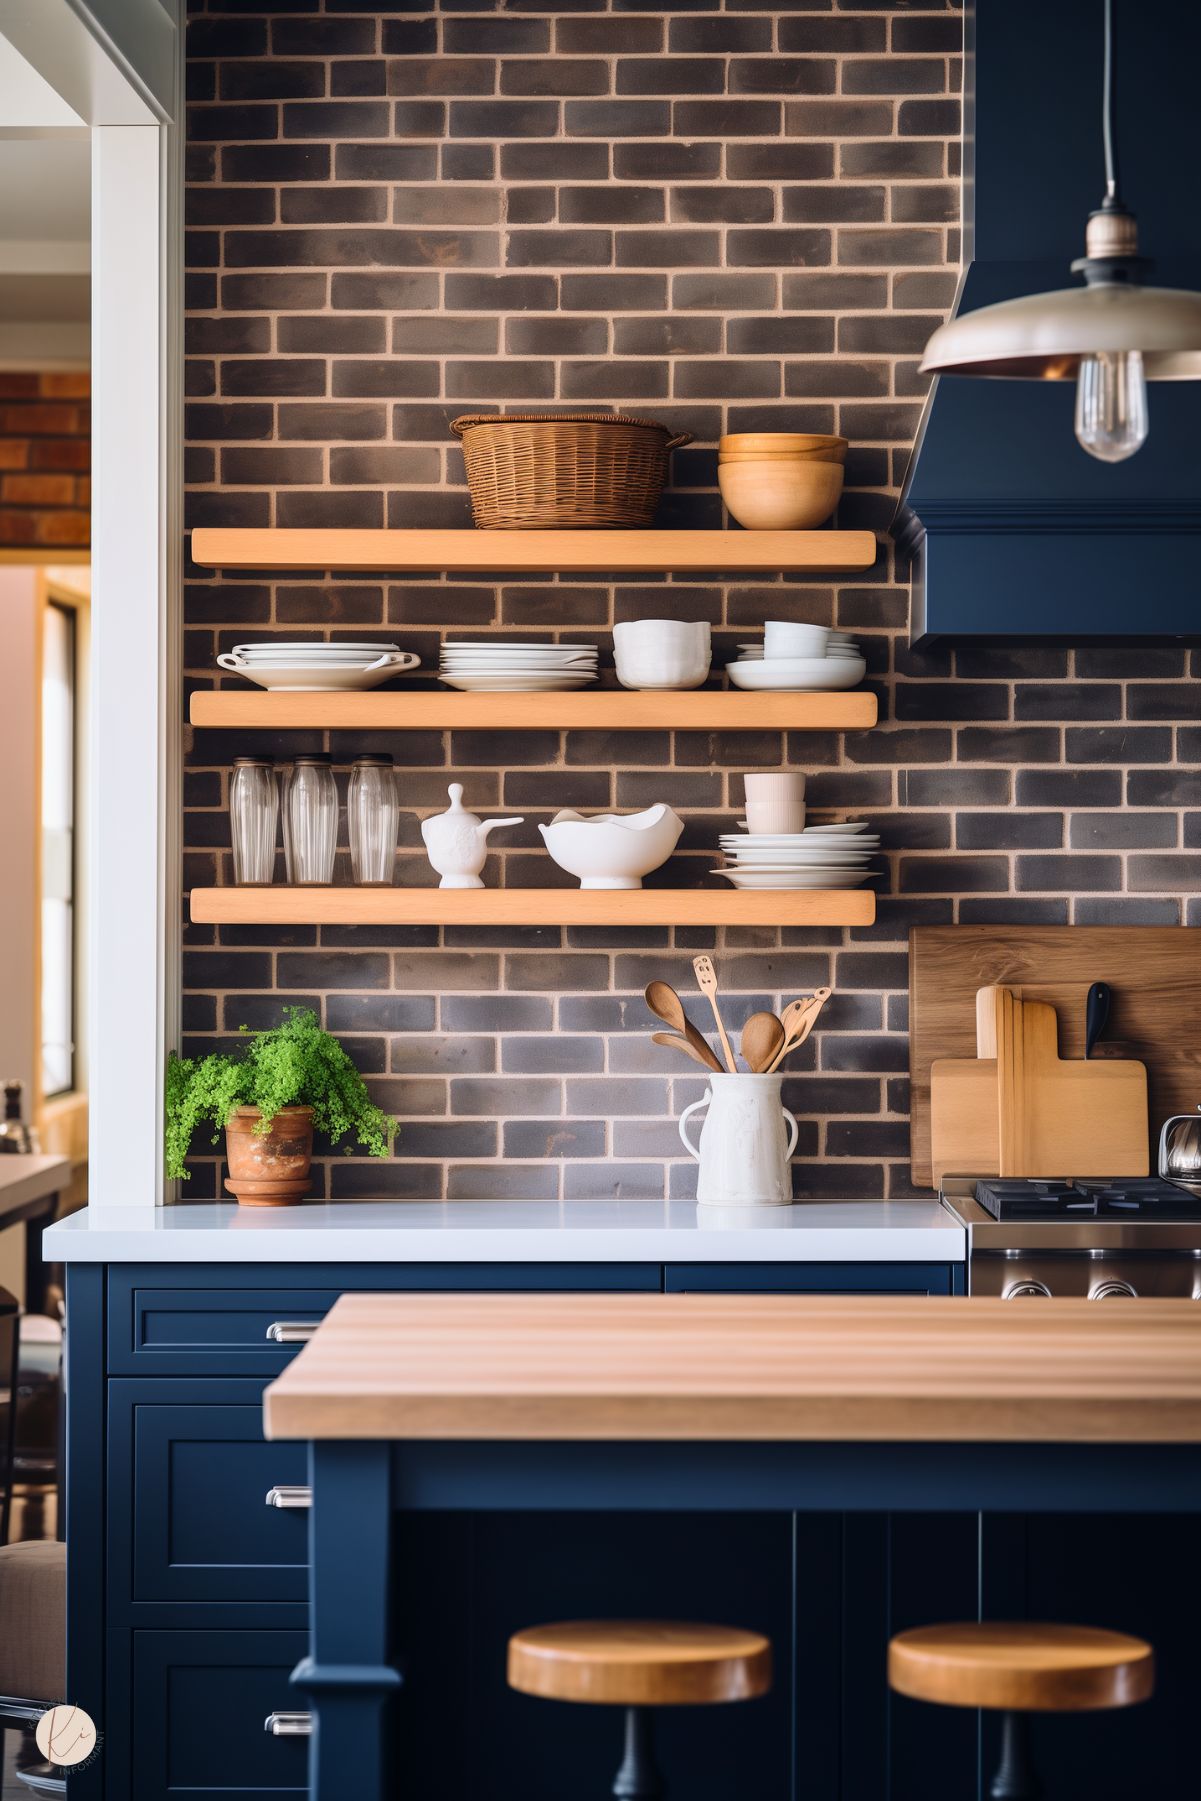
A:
[280,905]
[529,553]
[602,710]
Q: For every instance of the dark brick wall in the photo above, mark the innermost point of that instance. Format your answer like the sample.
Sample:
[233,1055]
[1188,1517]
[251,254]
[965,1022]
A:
[730,218]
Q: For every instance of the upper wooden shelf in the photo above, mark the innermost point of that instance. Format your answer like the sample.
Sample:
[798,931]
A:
[280,905]
[546,553]
[600,710]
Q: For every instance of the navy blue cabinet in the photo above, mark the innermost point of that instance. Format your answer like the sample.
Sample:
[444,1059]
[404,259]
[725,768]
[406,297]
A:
[199,1701]
[188,1592]
[189,1475]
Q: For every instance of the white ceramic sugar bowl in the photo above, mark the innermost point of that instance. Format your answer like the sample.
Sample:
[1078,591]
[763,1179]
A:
[456,842]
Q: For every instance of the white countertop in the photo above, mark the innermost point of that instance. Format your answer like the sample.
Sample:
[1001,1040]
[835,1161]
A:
[513,1232]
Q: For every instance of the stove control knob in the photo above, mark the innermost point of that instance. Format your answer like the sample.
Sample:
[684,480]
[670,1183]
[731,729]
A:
[1113,1290]
[1026,1286]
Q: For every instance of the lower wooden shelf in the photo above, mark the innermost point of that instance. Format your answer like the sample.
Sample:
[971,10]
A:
[279,905]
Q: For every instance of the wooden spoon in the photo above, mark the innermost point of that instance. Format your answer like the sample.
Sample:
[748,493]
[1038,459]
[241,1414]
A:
[666,1005]
[689,1049]
[799,1018]
[762,1036]
[706,981]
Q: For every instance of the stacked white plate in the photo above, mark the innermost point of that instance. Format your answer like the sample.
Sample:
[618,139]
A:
[843,666]
[822,856]
[312,667]
[493,666]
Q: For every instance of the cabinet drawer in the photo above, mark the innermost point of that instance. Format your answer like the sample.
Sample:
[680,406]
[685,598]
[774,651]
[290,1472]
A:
[199,1701]
[189,1478]
[217,1321]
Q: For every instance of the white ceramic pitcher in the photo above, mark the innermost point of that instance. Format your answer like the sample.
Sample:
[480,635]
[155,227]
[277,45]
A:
[745,1143]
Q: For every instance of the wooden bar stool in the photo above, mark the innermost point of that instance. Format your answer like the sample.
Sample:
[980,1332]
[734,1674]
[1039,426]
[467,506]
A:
[1019,1670]
[639,1665]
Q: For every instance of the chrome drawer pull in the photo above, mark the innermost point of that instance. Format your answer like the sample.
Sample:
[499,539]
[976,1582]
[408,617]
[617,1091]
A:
[289,1496]
[292,1331]
[289,1725]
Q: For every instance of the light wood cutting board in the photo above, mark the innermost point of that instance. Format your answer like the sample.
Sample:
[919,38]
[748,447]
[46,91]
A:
[1019,1109]
[1154,971]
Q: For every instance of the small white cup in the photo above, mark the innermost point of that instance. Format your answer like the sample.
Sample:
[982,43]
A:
[775,816]
[774,785]
[786,638]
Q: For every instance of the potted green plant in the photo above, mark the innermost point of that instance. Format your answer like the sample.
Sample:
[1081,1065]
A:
[268,1098]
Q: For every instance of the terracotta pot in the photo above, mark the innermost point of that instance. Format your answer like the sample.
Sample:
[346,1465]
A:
[269,1169]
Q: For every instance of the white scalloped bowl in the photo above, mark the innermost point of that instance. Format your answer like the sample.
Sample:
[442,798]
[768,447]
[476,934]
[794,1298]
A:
[612,850]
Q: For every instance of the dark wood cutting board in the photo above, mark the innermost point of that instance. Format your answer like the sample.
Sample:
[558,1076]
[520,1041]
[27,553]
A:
[1154,971]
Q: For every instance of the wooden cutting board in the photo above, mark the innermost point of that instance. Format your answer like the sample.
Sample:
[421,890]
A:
[1024,1111]
[1154,972]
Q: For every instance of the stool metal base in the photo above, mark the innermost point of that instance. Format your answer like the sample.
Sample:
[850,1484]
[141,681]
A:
[639,1778]
[1015,1779]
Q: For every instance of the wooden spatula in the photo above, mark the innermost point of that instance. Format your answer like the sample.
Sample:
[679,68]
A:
[666,1005]
[706,981]
[689,1049]
[799,1018]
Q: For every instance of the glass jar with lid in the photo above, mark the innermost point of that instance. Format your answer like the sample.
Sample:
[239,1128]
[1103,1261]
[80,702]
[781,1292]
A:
[253,811]
[310,815]
[373,820]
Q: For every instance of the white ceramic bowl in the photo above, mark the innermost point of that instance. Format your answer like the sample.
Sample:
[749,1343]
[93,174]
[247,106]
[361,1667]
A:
[799,674]
[612,850]
[790,638]
[662,653]
[322,678]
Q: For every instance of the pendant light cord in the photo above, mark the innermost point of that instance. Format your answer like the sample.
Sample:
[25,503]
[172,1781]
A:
[1107,110]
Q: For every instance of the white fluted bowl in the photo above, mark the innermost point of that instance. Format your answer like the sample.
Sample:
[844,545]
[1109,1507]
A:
[612,850]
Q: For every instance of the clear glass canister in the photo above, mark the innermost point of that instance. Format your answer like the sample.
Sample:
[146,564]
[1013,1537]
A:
[373,820]
[253,811]
[310,809]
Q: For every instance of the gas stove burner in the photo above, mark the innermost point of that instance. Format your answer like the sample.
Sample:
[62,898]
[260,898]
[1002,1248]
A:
[1119,1197]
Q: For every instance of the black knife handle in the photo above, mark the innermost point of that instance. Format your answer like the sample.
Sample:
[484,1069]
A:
[1096,1015]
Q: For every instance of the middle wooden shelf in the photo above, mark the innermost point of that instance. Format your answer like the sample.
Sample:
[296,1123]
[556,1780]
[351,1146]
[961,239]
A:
[280,905]
[407,710]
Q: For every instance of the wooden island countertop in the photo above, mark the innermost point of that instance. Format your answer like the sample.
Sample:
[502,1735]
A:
[744,1367]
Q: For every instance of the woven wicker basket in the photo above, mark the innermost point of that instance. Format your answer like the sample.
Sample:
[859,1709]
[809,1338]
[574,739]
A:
[564,471]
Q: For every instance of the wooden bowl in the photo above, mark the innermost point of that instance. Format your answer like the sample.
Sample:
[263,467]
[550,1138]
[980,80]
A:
[822,446]
[778,495]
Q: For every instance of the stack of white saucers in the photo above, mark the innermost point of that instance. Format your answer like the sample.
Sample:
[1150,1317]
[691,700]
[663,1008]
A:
[313,667]
[834,661]
[491,665]
[822,856]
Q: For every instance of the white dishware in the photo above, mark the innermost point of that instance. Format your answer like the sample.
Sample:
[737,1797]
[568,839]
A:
[745,1142]
[817,835]
[612,850]
[794,878]
[848,825]
[279,650]
[774,784]
[799,675]
[789,638]
[775,816]
[309,677]
[662,653]
[456,842]
[515,683]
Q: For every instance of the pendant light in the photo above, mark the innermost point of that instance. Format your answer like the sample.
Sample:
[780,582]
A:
[1113,334]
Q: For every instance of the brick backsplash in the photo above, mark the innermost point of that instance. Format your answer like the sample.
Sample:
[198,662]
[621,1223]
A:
[730,217]
[45,459]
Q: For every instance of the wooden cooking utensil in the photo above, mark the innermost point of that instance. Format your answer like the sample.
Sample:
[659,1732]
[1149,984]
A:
[762,1036]
[798,1019]
[689,1049]
[706,981]
[666,1005]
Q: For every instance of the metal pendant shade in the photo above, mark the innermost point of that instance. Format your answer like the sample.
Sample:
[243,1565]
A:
[1043,336]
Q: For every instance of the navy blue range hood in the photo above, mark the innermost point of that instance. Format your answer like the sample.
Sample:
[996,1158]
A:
[1013,530]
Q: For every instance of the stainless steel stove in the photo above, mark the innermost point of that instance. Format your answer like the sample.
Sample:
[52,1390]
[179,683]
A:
[1104,1240]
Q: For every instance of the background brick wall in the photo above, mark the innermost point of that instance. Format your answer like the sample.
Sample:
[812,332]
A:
[45,460]
[734,217]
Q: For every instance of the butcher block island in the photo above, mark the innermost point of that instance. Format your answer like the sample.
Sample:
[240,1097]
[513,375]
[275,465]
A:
[608,1405]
